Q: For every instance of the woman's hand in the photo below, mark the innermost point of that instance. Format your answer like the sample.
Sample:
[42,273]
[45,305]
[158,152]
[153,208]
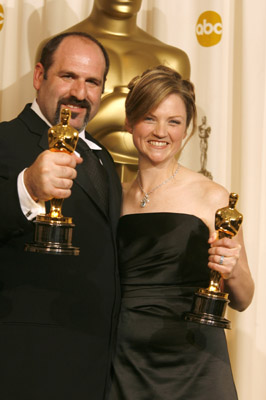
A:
[223,255]
[228,256]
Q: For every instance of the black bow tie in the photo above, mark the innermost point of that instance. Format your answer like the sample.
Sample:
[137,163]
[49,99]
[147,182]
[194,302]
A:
[94,168]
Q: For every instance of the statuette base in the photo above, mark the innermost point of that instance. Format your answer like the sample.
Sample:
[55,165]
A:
[209,308]
[53,236]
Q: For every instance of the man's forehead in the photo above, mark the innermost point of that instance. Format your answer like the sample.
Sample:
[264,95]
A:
[66,56]
[75,52]
[78,43]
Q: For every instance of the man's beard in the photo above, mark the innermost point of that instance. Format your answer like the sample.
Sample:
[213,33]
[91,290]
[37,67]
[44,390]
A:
[75,102]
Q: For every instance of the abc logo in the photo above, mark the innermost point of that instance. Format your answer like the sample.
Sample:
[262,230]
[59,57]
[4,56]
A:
[209,28]
[1,17]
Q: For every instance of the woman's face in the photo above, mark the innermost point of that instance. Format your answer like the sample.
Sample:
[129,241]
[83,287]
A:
[158,136]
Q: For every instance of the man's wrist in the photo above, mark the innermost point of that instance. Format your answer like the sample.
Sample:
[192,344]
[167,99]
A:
[29,206]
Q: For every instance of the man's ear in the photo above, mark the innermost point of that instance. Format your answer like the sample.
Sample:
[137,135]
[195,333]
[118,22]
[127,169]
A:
[128,126]
[38,76]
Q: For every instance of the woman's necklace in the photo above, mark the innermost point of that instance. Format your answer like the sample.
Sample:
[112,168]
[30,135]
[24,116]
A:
[146,199]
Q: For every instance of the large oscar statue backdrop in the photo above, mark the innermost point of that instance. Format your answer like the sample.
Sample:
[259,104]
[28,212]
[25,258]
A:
[131,51]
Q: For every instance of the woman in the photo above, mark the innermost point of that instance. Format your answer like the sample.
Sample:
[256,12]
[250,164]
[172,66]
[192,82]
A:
[167,245]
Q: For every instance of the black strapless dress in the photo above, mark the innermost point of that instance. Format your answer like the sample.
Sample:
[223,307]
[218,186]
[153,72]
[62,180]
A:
[159,356]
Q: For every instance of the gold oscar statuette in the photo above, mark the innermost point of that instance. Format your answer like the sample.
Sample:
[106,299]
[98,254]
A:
[209,305]
[53,231]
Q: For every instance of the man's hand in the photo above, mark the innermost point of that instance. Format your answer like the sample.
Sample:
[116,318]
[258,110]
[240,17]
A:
[51,175]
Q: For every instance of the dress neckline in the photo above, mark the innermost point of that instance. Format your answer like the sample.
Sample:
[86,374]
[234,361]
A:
[165,213]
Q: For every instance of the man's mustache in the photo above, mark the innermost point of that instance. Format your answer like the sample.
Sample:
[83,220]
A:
[73,101]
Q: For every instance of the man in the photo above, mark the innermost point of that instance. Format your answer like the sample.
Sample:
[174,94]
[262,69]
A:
[57,312]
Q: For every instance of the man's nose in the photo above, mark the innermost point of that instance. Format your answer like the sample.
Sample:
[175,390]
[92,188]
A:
[78,90]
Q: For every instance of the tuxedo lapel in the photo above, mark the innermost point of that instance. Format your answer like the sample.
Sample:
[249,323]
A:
[35,125]
[87,180]
[113,183]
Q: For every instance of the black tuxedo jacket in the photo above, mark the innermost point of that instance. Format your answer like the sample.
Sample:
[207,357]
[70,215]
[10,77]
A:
[57,313]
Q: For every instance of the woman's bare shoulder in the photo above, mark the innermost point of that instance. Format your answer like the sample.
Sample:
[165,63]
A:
[206,189]
[203,196]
